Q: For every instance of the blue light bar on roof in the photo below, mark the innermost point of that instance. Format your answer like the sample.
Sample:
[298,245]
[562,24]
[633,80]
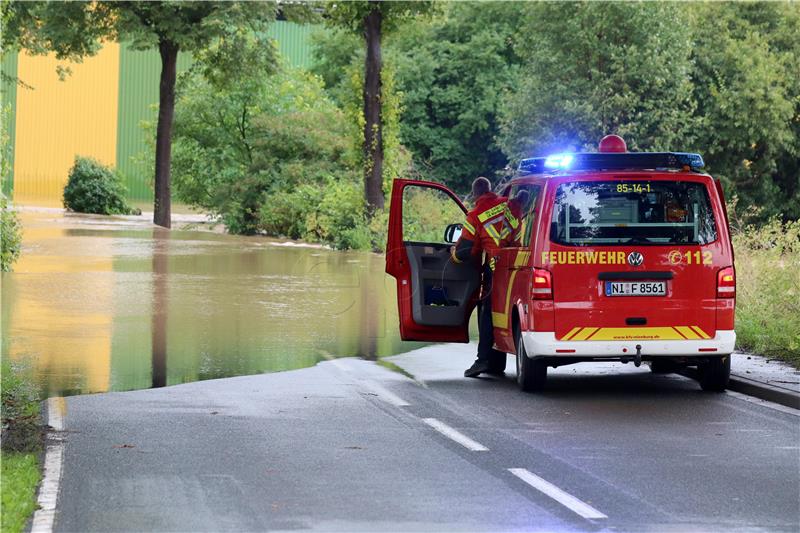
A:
[612,161]
[558,161]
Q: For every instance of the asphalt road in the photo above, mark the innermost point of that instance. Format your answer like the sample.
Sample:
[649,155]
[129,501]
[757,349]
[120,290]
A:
[352,446]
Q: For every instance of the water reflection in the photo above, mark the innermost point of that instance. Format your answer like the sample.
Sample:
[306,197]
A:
[160,307]
[97,305]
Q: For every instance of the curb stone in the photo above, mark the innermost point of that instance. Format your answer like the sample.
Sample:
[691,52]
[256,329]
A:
[755,388]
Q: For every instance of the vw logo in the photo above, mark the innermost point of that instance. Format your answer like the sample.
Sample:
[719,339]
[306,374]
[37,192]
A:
[635,259]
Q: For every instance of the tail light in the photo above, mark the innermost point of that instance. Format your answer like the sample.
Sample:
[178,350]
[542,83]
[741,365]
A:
[726,283]
[542,284]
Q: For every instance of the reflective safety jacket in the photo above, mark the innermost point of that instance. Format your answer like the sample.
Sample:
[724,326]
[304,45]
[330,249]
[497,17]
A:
[514,217]
[484,230]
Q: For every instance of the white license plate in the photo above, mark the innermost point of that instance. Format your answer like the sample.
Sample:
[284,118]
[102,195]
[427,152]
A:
[636,288]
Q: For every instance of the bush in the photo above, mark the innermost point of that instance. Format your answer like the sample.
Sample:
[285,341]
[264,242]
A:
[94,188]
[20,411]
[768,289]
[10,236]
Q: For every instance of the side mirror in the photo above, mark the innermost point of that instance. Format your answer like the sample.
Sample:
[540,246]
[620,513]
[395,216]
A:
[452,233]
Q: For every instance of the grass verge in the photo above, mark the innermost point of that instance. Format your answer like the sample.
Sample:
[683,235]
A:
[21,447]
[20,473]
[768,290]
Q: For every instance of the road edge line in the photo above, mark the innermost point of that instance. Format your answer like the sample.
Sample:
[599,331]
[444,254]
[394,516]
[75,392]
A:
[455,435]
[564,498]
[44,517]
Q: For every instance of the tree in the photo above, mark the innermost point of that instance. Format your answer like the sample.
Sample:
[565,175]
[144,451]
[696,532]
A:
[747,62]
[596,68]
[372,18]
[73,30]
[454,74]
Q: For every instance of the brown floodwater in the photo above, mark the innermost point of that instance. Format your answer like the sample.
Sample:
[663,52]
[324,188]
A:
[101,304]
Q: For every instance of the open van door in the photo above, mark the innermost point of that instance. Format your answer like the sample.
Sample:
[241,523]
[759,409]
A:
[435,297]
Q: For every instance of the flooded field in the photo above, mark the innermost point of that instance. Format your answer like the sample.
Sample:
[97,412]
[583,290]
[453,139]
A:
[100,304]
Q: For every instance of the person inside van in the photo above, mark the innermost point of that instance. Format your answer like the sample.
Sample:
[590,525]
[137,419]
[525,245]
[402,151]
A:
[517,209]
[483,232]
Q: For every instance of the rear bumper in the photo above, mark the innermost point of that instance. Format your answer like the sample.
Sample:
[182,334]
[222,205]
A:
[544,344]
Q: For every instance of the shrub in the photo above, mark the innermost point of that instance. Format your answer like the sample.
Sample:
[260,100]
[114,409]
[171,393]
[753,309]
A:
[20,410]
[768,289]
[10,236]
[94,188]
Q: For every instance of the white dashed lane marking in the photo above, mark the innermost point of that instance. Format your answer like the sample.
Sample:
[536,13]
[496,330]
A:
[455,435]
[564,498]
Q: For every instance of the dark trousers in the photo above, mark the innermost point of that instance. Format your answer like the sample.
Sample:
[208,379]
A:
[485,327]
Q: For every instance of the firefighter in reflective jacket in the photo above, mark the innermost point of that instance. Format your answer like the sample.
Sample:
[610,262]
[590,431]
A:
[515,216]
[485,229]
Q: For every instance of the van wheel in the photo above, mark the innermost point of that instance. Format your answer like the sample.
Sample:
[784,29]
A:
[531,373]
[663,367]
[715,373]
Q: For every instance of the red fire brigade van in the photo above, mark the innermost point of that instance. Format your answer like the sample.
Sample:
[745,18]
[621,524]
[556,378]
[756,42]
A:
[623,256]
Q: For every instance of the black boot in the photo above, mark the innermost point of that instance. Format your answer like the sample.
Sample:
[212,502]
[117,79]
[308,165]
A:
[478,367]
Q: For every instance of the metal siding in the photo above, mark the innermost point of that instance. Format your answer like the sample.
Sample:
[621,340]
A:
[61,119]
[139,78]
[294,41]
[8,104]
[138,100]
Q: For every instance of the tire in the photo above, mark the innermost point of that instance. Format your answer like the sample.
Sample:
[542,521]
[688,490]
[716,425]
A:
[663,366]
[531,373]
[715,373]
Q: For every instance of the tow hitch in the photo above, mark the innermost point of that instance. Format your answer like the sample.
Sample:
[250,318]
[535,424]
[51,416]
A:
[637,359]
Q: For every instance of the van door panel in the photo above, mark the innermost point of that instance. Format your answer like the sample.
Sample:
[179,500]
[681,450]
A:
[435,297]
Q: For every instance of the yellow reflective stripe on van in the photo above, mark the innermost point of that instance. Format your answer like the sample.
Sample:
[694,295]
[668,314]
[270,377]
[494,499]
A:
[469,227]
[700,332]
[665,333]
[500,320]
[489,213]
[521,259]
[687,332]
[584,334]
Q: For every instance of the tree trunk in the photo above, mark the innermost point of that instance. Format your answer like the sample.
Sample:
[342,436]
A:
[373,134]
[166,110]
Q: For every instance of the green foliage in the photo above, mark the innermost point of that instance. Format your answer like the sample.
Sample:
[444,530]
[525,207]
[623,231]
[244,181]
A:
[94,188]
[73,30]
[339,61]
[271,155]
[768,289]
[10,227]
[10,236]
[426,214]
[20,410]
[598,68]
[747,60]
[351,15]
[21,443]
[454,74]
[20,474]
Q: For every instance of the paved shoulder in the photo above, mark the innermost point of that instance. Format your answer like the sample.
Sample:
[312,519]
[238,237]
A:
[324,448]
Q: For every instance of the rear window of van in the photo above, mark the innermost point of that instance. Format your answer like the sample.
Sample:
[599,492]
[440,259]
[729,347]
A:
[591,213]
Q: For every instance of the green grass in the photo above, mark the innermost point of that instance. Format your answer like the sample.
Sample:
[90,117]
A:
[768,290]
[22,442]
[20,477]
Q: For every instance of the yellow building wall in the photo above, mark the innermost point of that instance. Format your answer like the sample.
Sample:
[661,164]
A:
[57,120]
